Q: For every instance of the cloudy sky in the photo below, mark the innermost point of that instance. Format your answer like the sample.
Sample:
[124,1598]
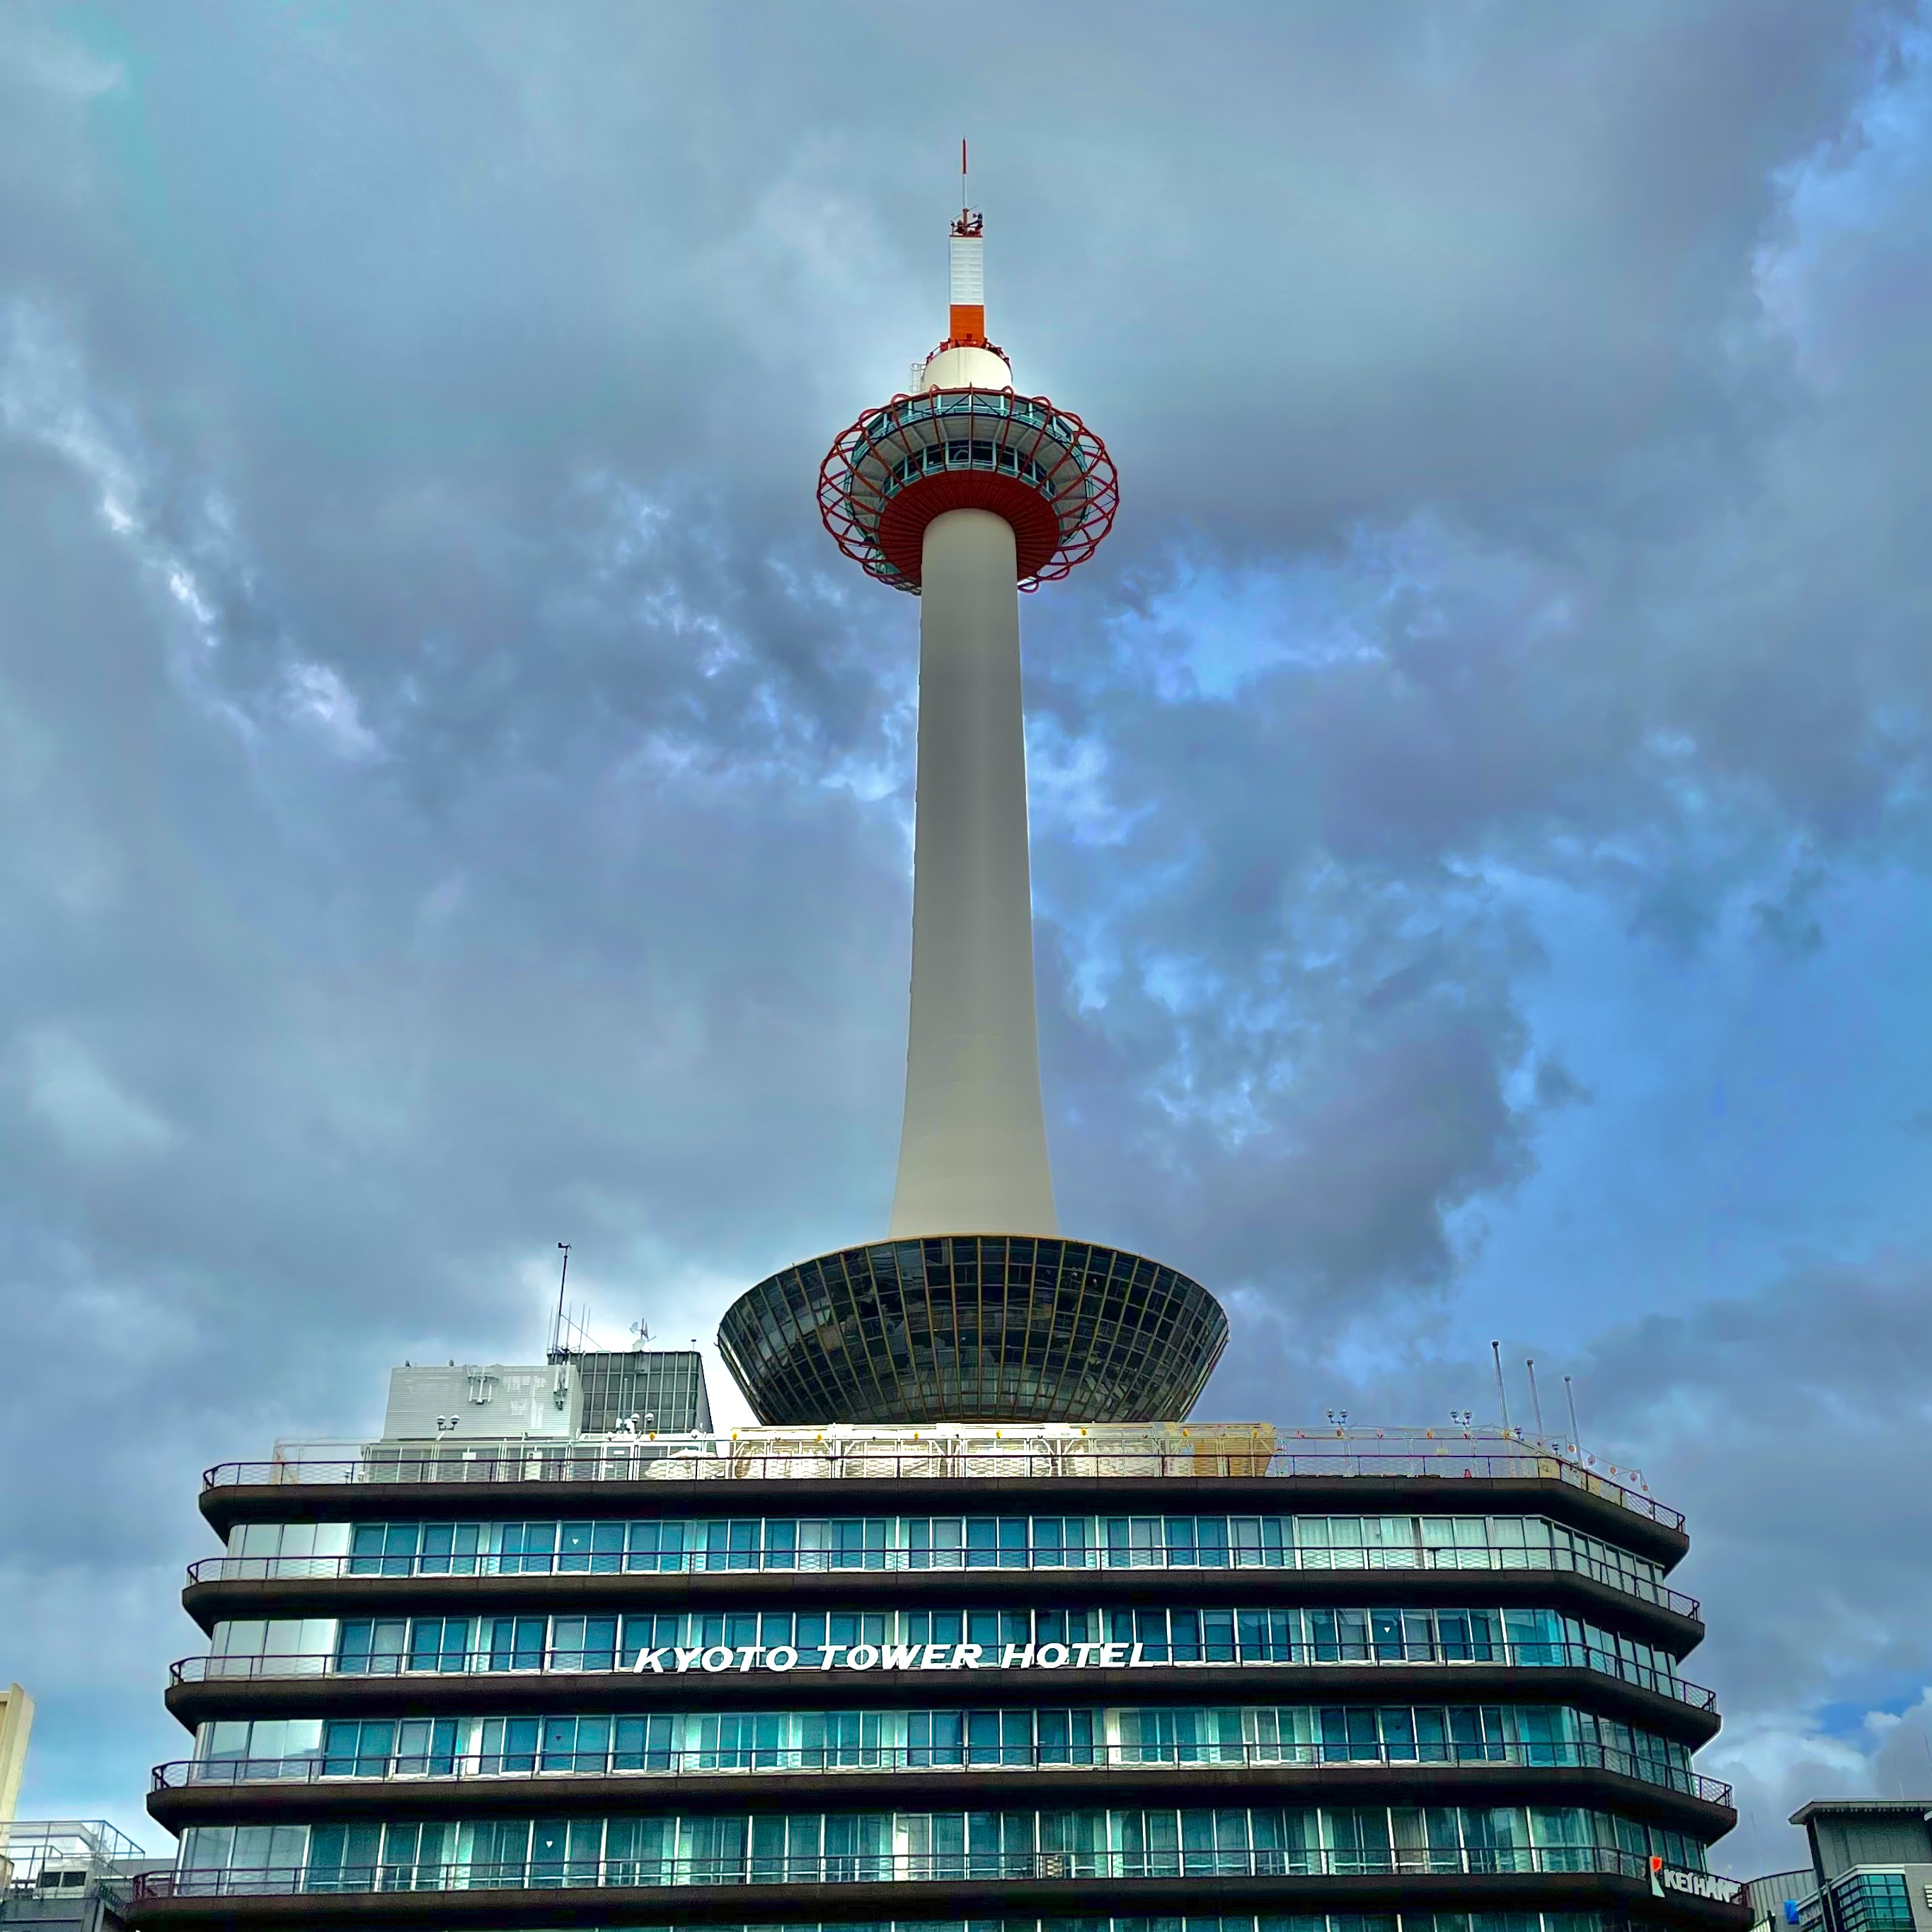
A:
[457,799]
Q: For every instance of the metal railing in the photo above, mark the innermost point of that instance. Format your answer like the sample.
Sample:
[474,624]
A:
[913,1867]
[700,1562]
[758,1760]
[478,1663]
[64,1855]
[630,1460]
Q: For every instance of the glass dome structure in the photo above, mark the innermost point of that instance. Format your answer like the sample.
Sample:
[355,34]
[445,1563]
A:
[966,1327]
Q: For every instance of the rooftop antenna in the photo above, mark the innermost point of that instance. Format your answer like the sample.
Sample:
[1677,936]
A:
[1576,1434]
[971,225]
[1535,1400]
[1502,1394]
[557,1343]
[966,319]
[640,1337]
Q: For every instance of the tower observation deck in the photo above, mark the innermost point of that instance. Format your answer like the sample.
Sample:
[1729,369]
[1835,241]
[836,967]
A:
[964,493]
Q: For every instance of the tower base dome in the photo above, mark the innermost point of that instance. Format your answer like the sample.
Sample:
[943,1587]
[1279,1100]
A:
[973,1328]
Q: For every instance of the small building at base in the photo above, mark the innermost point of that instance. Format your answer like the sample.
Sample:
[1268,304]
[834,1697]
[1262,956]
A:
[69,1875]
[1871,1870]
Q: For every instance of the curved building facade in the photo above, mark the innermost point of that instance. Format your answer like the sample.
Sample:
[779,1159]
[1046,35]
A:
[883,1677]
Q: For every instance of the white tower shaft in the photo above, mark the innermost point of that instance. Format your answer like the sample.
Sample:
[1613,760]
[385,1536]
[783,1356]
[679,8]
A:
[973,1153]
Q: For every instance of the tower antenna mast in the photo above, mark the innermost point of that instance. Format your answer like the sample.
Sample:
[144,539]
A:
[556,1334]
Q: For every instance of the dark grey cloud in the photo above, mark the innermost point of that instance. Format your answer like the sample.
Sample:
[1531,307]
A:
[455,801]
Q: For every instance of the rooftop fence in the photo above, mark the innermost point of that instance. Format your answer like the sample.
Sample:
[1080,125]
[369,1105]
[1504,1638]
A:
[63,1854]
[1066,1452]
[1342,1557]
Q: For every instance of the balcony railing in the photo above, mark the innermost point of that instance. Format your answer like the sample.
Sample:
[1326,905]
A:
[630,1459]
[1301,1656]
[909,1868]
[695,1562]
[780,1761]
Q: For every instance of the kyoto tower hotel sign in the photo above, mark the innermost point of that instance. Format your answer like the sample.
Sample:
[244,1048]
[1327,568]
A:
[964,493]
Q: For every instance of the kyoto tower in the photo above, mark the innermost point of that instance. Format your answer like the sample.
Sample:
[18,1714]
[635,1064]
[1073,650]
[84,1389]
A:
[964,493]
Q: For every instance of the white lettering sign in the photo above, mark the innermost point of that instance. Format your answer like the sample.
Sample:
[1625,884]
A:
[900,1657]
[1698,1885]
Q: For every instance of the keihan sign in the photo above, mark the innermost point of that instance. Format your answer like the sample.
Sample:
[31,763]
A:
[902,1656]
[1697,1884]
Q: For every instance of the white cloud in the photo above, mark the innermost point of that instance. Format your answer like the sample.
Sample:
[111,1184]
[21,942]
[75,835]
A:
[94,1117]
[47,58]
[316,696]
